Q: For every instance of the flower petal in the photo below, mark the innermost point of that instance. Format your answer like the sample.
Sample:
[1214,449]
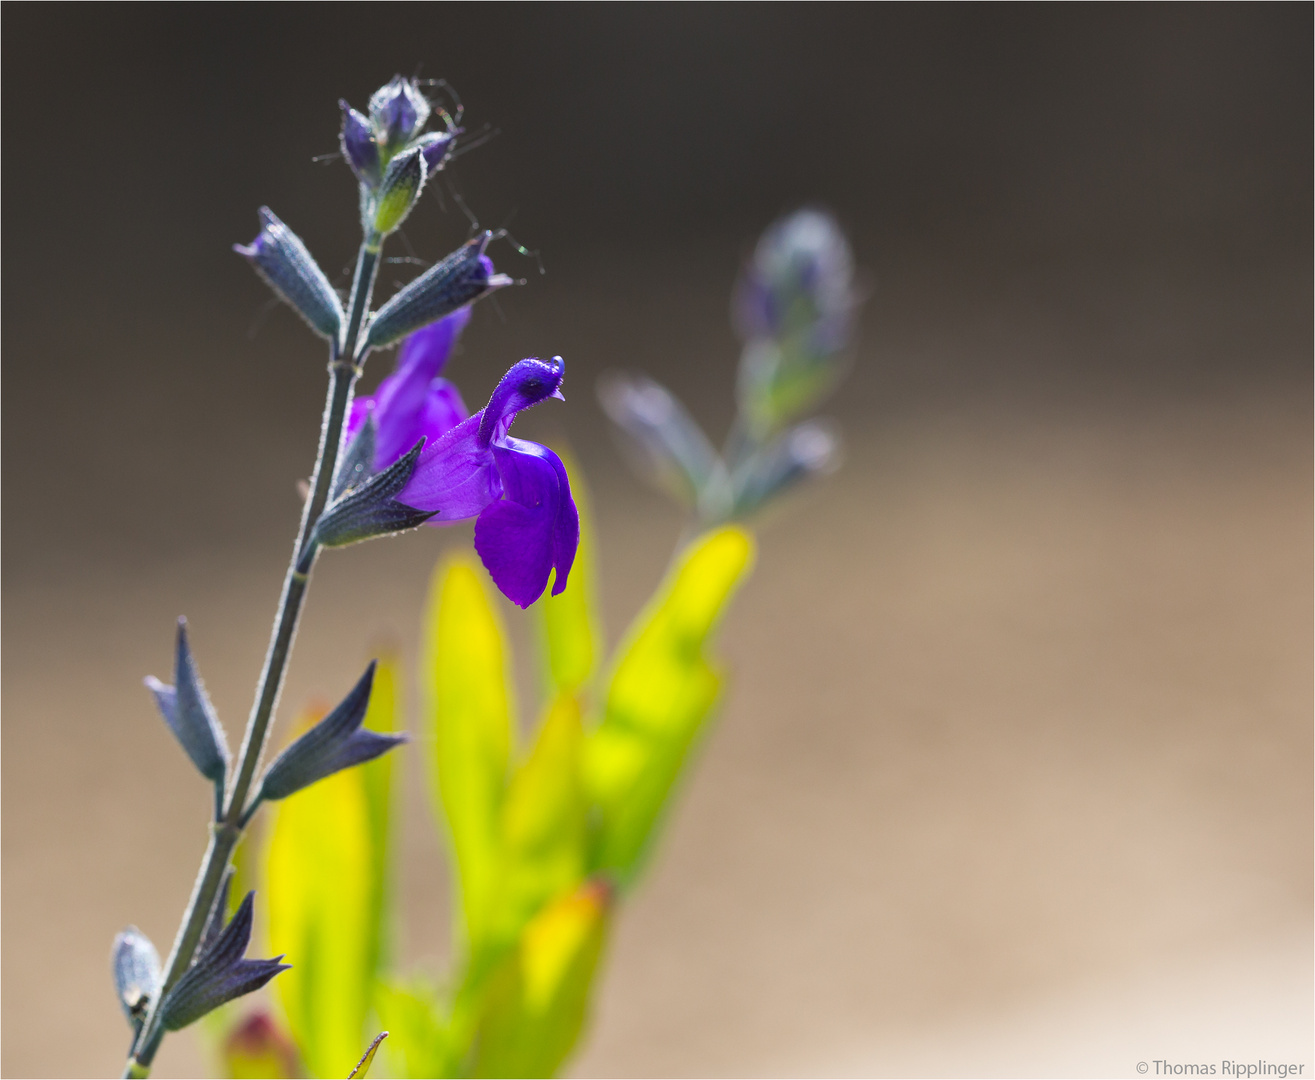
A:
[455,476]
[566,519]
[444,409]
[517,537]
[413,400]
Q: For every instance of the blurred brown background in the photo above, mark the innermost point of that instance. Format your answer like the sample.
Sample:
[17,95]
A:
[1015,776]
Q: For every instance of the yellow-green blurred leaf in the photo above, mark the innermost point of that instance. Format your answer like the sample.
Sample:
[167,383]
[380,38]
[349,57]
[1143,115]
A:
[535,1004]
[568,624]
[544,817]
[319,870]
[662,690]
[256,1049]
[384,714]
[469,710]
[418,1042]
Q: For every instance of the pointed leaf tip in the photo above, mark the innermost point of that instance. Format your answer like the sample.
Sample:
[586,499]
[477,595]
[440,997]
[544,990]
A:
[187,710]
[363,1066]
[368,509]
[336,742]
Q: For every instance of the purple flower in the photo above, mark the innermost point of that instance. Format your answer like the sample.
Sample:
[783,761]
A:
[415,400]
[526,524]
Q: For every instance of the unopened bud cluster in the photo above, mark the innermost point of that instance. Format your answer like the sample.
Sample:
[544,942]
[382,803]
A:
[794,307]
[391,153]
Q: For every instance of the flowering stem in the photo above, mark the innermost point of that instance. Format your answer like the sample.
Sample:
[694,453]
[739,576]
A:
[344,367]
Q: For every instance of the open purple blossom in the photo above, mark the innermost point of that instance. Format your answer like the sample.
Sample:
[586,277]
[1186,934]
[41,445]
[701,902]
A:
[415,401]
[526,525]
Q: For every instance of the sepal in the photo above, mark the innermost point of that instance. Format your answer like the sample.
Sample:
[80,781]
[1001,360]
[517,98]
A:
[220,974]
[357,464]
[398,110]
[359,146]
[336,742]
[461,278]
[136,973]
[369,509]
[189,714]
[218,913]
[279,256]
[399,189]
[436,146]
[670,447]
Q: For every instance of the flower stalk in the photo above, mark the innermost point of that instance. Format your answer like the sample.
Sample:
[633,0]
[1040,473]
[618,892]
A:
[345,358]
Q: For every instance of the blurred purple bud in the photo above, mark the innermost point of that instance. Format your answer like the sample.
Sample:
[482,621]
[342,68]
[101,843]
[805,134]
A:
[795,307]
[461,278]
[280,257]
[258,1047]
[219,975]
[800,280]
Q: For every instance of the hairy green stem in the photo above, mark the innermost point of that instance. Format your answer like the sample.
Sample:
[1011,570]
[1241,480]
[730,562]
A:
[344,367]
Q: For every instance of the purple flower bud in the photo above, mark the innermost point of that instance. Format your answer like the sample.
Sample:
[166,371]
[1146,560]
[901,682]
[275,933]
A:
[461,278]
[436,146]
[398,111]
[189,714]
[359,146]
[795,309]
[280,257]
[136,973]
[336,742]
[219,975]
[399,189]
[800,279]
